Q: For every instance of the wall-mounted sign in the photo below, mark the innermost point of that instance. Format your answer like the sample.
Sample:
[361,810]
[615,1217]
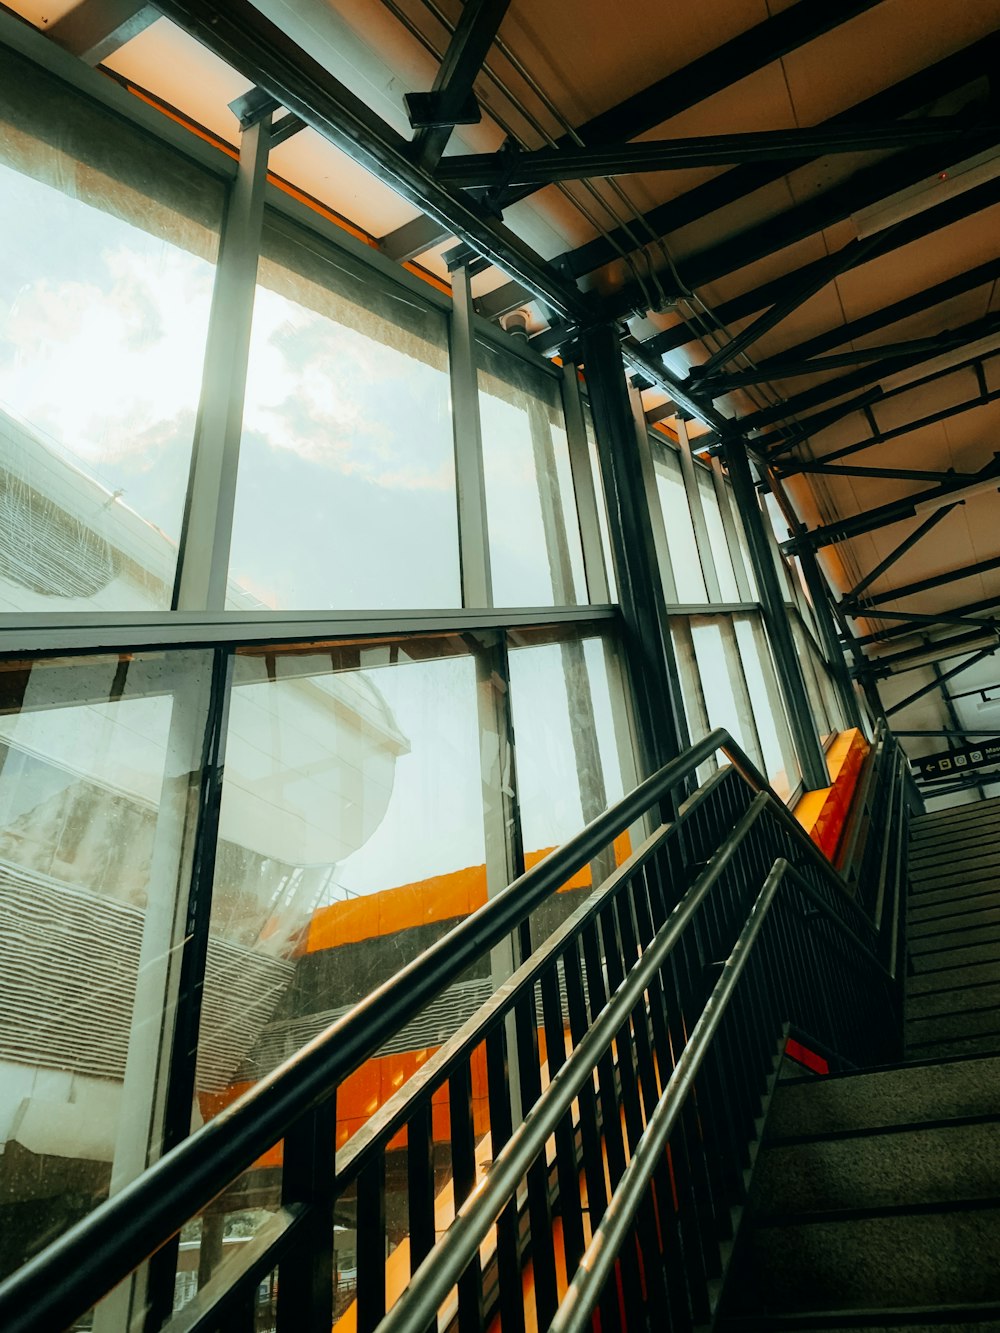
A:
[948,763]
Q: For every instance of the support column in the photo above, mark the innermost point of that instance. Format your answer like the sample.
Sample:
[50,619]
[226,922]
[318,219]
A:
[203,567]
[820,596]
[808,748]
[653,669]
[470,482]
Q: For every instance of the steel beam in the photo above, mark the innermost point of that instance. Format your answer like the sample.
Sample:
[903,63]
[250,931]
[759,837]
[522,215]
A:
[882,436]
[802,354]
[414,238]
[867,186]
[779,631]
[735,59]
[941,680]
[96,29]
[240,34]
[451,101]
[544,166]
[844,384]
[885,515]
[905,631]
[852,606]
[898,552]
[912,658]
[887,473]
[780,368]
[905,97]
[777,289]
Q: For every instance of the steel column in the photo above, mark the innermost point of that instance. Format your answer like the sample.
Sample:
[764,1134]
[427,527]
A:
[470,480]
[583,487]
[206,535]
[653,669]
[808,748]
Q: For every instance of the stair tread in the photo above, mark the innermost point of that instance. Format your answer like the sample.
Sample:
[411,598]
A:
[902,1095]
[913,1166]
[941,1256]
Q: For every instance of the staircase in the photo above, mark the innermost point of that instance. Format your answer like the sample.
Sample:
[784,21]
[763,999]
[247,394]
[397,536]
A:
[876,1197]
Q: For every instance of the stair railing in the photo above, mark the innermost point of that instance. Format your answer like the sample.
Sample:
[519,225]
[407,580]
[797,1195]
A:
[559,999]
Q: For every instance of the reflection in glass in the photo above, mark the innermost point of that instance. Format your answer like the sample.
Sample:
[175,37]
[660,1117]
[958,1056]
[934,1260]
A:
[536,553]
[98,757]
[685,561]
[573,746]
[780,765]
[107,251]
[346,489]
[728,588]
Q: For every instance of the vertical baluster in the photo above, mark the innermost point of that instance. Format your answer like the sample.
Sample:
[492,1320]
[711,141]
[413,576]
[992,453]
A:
[543,1259]
[590,1126]
[463,1178]
[420,1181]
[308,1176]
[371,1243]
[501,1126]
[567,1164]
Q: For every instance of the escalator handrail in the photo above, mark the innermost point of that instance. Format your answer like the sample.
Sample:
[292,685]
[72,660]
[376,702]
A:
[92,1256]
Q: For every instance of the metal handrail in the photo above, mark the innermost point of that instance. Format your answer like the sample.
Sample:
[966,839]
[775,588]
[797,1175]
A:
[610,1233]
[417,1306]
[94,1255]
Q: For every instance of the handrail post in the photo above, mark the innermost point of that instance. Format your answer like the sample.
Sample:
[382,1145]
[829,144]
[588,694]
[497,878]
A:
[308,1176]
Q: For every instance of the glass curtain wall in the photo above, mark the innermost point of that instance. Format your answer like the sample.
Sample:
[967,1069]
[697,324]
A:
[725,664]
[108,243]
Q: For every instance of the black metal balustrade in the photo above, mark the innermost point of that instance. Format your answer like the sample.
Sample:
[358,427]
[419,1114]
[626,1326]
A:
[626,1062]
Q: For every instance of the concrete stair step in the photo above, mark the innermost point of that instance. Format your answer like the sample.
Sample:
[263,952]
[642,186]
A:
[949,959]
[951,1027]
[955,896]
[964,849]
[980,1318]
[904,1095]
[985,1044]
[954,977]
[917,918]
[956,936]
[922,1165]
[982,810]
[892,1258]
[933,835]
[961,1000]
[979,872]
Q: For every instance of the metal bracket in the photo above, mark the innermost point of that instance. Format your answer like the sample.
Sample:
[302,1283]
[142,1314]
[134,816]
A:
[435,110]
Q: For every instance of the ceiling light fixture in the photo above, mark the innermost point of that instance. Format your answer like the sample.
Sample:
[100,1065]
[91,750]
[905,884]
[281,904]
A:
[927,193]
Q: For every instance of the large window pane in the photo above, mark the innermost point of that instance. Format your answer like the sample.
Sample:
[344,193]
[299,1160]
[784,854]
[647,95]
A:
[107,249]
[98,760]
[359,780]
[722,681]
[535,551]
[346,491]
[780,765]
[728,588]
[684,559]
[572,742]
